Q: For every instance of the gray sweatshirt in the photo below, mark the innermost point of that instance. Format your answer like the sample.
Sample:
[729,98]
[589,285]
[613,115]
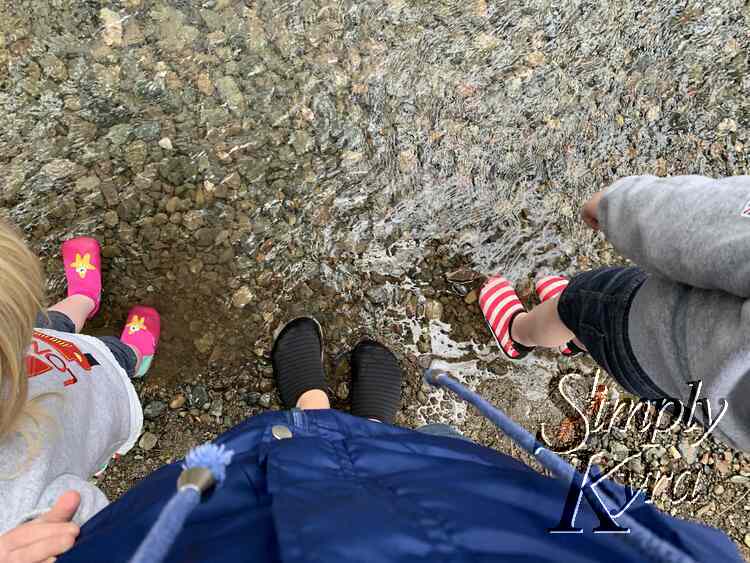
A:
[690,321]
[89,411]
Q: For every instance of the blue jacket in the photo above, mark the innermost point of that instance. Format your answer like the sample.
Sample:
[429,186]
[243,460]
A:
[348,489]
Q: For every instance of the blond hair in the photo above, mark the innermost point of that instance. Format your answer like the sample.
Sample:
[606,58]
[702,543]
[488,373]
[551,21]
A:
[21,296]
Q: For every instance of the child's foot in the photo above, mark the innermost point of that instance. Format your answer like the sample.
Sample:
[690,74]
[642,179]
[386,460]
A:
[500,306]
[142,333]
[548,288]
[376,382]
[297,359]
[82,260]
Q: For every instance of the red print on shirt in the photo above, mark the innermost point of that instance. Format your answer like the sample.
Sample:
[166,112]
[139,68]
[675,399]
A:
[49,352]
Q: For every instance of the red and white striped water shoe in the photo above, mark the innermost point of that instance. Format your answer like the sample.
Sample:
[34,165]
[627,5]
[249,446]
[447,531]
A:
[500,305]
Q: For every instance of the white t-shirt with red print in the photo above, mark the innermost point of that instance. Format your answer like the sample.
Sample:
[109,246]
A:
[91,412]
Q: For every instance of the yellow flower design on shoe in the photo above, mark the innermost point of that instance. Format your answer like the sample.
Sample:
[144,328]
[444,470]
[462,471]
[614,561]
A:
[136,323]
[82,261]
[83,265]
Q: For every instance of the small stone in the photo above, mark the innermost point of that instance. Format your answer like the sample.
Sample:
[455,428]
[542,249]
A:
[619,451]
[242,297]
[148,441]
[723,467]
[60,168]
[719,490]
[636,465]
[740,480]
[265,400]
[193,220]
[424,361]
[195,266]
[217,408]
[462,275]
[154,409]
[706,509]
[204,84]
[747,540]
[119,134]
[148,131]
[198,396]
[342,391]
[166,143]
[178,402]
[55,68]
[377,295]
[111,218]
[231,94]
[267,385]
[653,454]
[87,184]
[252,398]
[690,453]
[471,297]
[433,310]
[111,27]
[205,343]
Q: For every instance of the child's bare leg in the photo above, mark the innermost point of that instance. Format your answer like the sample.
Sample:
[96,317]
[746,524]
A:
[77,308]
[314,399]
[541,327]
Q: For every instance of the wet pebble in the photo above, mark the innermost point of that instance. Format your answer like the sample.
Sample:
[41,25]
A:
[265,400]
[178,402]
[242,297]
[198,396]
[205,343]
[342,391]
[252,398]
[690,453]
[636,465]
[217,408]
[111,218]
[148,441]
[153,409]
[433,310]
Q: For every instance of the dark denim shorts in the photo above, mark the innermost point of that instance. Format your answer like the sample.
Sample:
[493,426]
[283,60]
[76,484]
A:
[54,320]
[596,306]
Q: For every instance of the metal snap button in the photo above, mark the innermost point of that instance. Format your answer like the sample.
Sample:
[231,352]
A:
[281,432]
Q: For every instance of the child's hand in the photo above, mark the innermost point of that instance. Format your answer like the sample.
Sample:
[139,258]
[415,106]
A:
[590,211]
[41,540]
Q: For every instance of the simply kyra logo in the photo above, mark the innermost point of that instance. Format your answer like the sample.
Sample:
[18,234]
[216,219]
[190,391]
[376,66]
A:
[652,419]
